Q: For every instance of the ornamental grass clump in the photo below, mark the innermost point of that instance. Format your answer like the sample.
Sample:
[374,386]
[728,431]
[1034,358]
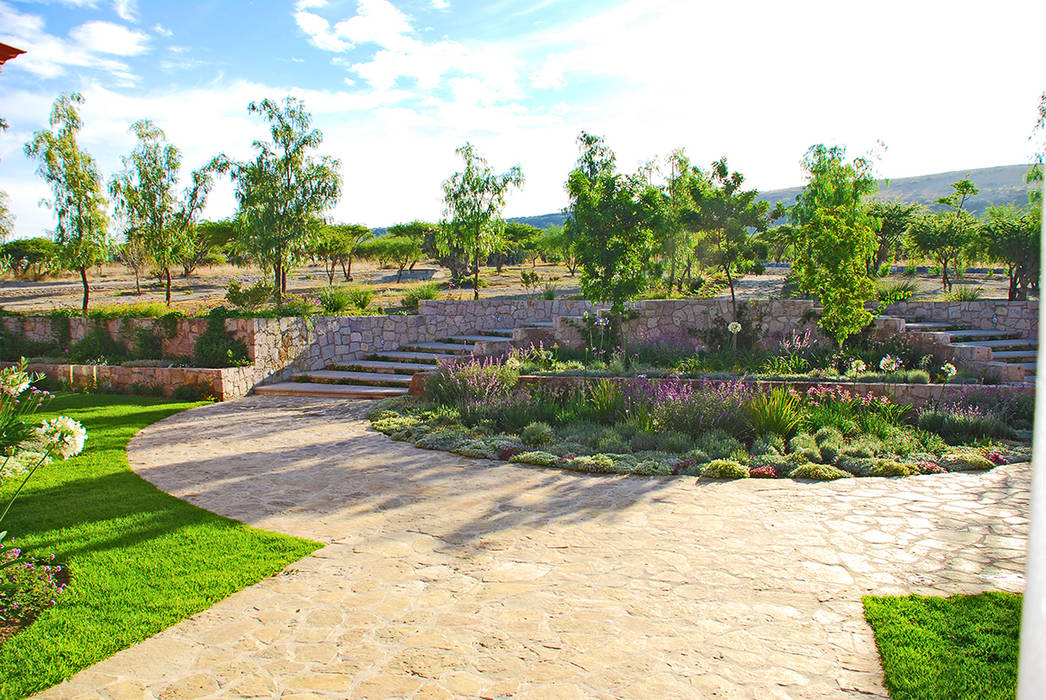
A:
[465,382]
[819,472]
[778,411]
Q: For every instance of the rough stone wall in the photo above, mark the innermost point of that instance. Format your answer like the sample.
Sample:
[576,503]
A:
[124,379]
[987,314]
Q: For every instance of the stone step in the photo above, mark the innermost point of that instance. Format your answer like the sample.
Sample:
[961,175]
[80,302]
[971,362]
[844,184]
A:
[931,327]
[329,376]
[429,358]
[1014,343]
[973,334]
[437,347]
[479,339]
[537,324]
[382,367]
[1030,366]
[1014,355]
[502,332]
[331,391]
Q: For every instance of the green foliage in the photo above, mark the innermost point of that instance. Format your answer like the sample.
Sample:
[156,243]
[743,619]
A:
[962,647]
[963,425]
[966,461]
[31,257]
[399,251]
[411,297]
[98,347]
[890,292]
[777,411]
[818,472]
[334,300]
[473,381]
[835,238]
[605,399]
[724,469]
[216,346]
[894,218]
[536,434]
[1013,237]
[284,190]
[611,221]
[943,237]
[717,444]
[768,444]
[473,200]
[81,230]
[537,458]
[155,217]
[964,292]
[336,244]
[249,298]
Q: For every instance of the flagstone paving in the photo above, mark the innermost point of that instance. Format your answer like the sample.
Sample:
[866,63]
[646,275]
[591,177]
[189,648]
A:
[449,577]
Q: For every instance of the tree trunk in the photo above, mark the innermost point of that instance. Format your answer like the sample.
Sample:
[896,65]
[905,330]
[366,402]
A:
[475,279]
[283,279]
[944,277]
[399,274]
[330,270]
[137,283]
[733,299]
[167,287]
[276,277]
[87,288]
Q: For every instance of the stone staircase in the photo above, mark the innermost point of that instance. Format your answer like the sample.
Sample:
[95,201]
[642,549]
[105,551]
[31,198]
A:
[387,373]
[1012,355]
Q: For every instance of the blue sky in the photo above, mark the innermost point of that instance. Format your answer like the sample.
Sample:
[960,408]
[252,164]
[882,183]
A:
[397,85]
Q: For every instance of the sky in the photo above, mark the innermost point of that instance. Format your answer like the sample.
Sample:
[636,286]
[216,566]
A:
[397,85]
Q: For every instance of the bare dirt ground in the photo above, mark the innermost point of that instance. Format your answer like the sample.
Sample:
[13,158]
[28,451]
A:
[113,284]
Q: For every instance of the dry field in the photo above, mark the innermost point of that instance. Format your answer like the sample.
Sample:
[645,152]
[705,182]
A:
[114,285]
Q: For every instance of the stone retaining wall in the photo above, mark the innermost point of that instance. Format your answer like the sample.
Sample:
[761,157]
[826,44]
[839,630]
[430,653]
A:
[223,384]
[987,314]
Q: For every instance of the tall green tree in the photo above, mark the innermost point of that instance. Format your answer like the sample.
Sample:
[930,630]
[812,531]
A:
[676,237]
[82,230]
[520,243]
[943,236]
[557,243]
[1013,236]
[401,251]
[612,217]
[834,238]
[154,214]
[284,189]
[473,200]
[895,219]
[423,232]
[725,217]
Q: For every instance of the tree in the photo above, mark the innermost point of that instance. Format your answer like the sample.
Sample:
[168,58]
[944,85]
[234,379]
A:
[961,191]
[161,221]
[835,237]
[284,189]
[336,244]
[7,218]
[398,250]
[676,238]
[31,256]
[1034,176]
[421,231]
[725,216]
[942,237]
[133,256]
[611,218]
[79,205]
[557,243]
[472,203]
[520,243]
[1012,236]
[895,218]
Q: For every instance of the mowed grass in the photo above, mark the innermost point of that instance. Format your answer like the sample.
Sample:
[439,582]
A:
[140,560]
[955,648]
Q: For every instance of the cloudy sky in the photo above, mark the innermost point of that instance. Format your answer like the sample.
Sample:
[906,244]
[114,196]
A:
[397,85]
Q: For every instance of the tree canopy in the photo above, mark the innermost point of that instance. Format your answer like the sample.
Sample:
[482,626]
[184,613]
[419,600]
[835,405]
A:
[82,229]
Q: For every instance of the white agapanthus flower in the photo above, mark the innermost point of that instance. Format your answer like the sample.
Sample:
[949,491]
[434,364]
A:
[857,366]
[62,436]
[889,364]
[13,381]
[734,327]
[949,370]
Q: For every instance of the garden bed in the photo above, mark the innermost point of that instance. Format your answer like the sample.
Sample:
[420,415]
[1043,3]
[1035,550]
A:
[713,429]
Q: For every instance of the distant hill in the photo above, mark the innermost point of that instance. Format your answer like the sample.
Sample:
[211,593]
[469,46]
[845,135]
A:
[998,186]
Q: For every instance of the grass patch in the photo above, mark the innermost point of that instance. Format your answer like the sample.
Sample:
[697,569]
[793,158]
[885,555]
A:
[958,647]
[140,560]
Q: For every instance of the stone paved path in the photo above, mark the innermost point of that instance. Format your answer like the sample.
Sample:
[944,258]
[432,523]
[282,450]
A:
[450,577]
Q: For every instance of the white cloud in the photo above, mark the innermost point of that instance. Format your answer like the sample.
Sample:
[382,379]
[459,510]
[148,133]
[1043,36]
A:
[375,22]
[106,37]
[440,4]
[162,30]
[126,10]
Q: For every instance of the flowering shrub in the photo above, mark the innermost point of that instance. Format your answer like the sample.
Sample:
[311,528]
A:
[27,584]
[694,409]
[889,363]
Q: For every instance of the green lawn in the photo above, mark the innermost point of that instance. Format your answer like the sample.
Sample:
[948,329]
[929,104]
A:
[954,648]
[140,560]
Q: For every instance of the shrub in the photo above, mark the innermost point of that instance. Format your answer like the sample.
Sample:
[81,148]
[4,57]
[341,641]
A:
[442,439]
[644,440]
[696,409]
[294,306]
[778,411]
[248,298]
[188,392]
[803,444]
[965,292]
[724,469]
[605,399]
[360,297]
[862,447]
[888,467]
[600,463]
[653,467]
[858,466]
[476,449]
[717,444]
[673,441]
[333,299]
[98,347]
[537,458]
[965,462]
[959,424]
[536,435]
[217,347]
[611,441]
[818,472]
[28,584]
[769,443]
[470,381]
[429,290]
[147,344]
